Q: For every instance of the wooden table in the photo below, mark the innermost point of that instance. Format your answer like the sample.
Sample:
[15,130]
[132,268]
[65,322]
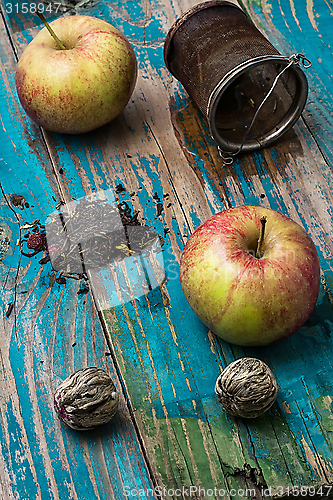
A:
[170,437]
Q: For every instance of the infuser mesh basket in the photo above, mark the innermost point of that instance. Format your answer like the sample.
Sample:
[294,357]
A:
[228,67]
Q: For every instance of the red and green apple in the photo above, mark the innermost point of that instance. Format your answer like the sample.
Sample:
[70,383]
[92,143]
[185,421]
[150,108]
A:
[79,79]
[251,274]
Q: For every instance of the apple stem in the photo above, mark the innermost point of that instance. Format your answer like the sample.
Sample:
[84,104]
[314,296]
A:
[263,221]
[52,33]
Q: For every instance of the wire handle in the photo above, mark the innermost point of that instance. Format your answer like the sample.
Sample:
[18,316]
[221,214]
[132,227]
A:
[297,58]
[228,156]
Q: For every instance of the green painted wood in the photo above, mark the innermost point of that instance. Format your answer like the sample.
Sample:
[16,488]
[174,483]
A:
[158,157]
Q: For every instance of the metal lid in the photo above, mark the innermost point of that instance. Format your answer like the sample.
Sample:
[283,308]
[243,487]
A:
[278,127]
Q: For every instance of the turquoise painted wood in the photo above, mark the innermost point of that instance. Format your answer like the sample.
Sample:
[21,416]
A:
[170,436]
[51,331]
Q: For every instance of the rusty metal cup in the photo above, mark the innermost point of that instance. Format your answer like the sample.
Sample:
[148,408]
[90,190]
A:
[249,93]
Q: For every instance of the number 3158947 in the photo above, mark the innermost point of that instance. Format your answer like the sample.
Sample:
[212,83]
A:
[32,8]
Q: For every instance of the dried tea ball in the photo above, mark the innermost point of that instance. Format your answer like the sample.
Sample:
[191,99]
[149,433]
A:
[86,399]
[246,388]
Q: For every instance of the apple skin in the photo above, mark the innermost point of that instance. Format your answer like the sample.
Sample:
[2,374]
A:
[243,299]
[80,89]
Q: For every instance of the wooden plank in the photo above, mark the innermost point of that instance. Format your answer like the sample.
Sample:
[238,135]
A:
[160,152]
[51,331]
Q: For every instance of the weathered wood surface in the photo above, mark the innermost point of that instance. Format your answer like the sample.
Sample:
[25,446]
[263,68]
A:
[170,433]
[52,331]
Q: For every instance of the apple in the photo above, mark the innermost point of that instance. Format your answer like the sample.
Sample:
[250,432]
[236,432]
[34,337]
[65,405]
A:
[77,74]
[251,274]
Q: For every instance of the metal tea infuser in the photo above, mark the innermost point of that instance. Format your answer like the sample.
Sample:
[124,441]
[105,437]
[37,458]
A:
[249,93]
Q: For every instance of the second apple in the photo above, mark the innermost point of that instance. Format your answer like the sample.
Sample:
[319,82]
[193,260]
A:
[251,274]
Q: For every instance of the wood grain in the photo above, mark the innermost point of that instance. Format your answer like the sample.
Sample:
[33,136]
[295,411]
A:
[51,331]
[159,158]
